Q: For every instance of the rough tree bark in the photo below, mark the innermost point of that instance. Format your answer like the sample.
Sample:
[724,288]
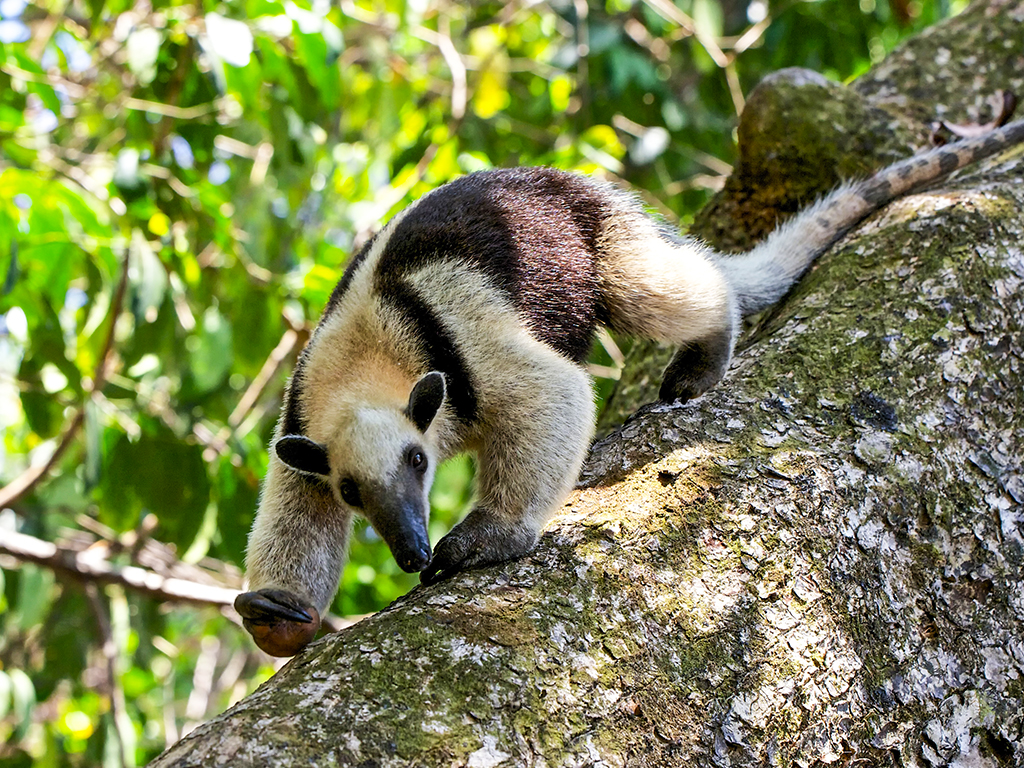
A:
[818,562]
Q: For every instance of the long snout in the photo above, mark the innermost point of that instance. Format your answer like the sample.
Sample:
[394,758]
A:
[403,526]
[411,547]
[413,559]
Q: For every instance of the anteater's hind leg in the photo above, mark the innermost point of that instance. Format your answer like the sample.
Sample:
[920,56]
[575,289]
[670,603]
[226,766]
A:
[658,287]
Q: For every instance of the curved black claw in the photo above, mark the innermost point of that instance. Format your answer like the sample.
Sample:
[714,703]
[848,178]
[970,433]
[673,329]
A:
[269,606]
[279,622]
[477,541]
[696,367]
[448,560]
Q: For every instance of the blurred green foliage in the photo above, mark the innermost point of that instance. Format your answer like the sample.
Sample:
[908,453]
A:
[180,187]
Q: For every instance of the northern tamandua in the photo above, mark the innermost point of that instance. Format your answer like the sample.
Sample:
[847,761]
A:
[463,326]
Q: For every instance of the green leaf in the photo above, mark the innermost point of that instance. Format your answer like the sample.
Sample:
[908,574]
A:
[157,473]
[8,262]
[237,498]
[148,279]
[6,691]
[211,353]
[707,18]
[43,413]
[66,649]
[35,594]
[23,699]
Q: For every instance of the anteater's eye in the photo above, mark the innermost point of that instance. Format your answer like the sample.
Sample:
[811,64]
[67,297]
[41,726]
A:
[349,491]
[417,459]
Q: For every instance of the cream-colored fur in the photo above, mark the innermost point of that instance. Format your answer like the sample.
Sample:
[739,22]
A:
[299,540]
[535,412]
[659,289]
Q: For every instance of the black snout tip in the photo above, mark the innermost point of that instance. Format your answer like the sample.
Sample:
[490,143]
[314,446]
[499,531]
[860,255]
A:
[414,562]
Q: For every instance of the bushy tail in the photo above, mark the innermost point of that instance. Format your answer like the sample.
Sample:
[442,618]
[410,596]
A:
[762,275]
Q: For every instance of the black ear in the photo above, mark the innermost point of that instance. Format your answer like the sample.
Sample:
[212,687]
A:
[424,400]
[303,454]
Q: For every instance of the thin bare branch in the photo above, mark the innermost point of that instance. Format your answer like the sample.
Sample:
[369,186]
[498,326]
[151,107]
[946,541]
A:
[31,477]
[82,566]
[42,34]
[752,35]
[444,44]
[670,12]
[77,91]
[640,35]
[290,341]
[609,345]
[169,110]
[735,89]
[202,683]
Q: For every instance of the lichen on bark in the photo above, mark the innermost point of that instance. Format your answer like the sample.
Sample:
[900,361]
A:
[818,562]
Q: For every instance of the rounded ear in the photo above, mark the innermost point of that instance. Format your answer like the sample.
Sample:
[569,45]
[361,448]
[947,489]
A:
[425,400]
[303,454]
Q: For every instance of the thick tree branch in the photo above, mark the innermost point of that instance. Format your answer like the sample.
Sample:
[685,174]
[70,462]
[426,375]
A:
[818,563]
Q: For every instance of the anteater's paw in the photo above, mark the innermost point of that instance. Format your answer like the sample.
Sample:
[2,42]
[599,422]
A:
[279,622]
[477,541]
[696,368]
[681,391]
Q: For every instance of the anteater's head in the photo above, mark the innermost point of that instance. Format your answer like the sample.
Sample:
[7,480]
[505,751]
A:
[380,463]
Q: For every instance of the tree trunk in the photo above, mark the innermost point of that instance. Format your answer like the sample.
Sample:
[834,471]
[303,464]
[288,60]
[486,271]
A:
[819,561]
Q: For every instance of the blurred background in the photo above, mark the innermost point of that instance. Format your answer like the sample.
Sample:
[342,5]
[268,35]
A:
[180,188]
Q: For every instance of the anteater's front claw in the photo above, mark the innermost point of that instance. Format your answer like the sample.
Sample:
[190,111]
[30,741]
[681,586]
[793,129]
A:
[279,622]
[271,605]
